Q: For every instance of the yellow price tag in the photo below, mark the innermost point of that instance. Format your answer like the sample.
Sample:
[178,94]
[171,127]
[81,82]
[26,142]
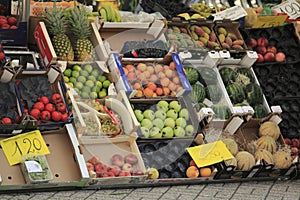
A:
[269,21]
[27,143]
[208,154]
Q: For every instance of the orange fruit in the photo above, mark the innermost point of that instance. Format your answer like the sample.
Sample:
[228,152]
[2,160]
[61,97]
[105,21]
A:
[137,86]
[172,86]
[192,172]
[159,91]
[205,172]
[152,86]
[153,78]
[142,67]
[172,65]
[148,92]
[125,70]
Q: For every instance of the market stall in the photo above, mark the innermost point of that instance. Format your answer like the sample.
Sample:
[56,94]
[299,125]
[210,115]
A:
[95,97]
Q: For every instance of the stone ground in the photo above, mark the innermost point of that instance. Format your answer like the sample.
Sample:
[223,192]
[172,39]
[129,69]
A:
[269,190]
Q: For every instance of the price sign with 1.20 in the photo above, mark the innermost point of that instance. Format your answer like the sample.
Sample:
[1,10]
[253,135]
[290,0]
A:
[290,7]
[27,143]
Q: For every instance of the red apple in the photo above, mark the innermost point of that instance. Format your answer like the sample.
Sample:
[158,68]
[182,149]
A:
[90,166]
[269,57]
[124,173]
[131,159]
[118,160]
[127,167]
[262,42]
[288,141]
[12,21]
[94,160]
[261,50]
[260,58]
[5,26]
[280,56]
[251,42]
[272,49]
[114,169]
[100,168]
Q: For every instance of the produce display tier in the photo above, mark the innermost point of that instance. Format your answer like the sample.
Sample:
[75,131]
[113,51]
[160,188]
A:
[280,83]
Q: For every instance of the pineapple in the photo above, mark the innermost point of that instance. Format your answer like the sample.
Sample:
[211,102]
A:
[80,29]
[56,24]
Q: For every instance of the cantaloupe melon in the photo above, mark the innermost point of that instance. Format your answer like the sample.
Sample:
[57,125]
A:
[268,143]
[231,145]
[270,129]
[245,160]
[262,154]
[282,159]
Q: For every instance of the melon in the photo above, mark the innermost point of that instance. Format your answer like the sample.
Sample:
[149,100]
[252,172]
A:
[254,94]
[192,75]
[245,160]
[231,162]
[198,93]
[214,93]
[282,159]
[262,154]
[268,143]
[207,75]
[221,111]
[270,129]
[260,111]
[235,93]
[228,75]
[231,145]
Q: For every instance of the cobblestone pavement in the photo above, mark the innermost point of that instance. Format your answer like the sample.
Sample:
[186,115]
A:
[269,190]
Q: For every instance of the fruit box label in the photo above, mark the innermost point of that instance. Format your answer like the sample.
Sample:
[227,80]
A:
[44,44]
[290,7]
[232,13]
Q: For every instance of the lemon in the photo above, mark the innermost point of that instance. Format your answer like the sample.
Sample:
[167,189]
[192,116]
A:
[68,72]
[72,80]
[102,94]
[66,79]
[84,73]
[81,79]
[89,83]
[75,74]
[93,95]
[88,68]
[154,174]
[95,72]
[76,68]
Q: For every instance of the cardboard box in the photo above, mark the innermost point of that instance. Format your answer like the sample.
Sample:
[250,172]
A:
[117,33]
[56,85]
[145,104]
[48,54]
[104,149]
[118,66]
[65,161]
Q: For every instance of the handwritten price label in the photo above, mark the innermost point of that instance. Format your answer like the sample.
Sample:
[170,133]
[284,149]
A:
[232,13]
[290,7]
[28,143]
[269,21]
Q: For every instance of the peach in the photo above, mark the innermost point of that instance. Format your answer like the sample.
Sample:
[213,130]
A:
[138,173]
[100,168]
[260,58]
[280,56]
[142,67]
[164,82]
[172,86]
[139,94]
[172,65]
[269,57]
[153,78]
[173,94]
[137,86]
[205,171]
[130,68]
[148,92]
[114,169]
[176,80]
[118,160]
[94,160]
[131,76]
[166,91]
[192,172]
[161,75]
[159,91]
[108,174]
[125,70]
[152,86]
[166,67]
[90,166]
[154,95]
[150,69]
[147,74]
[158,68]
[169,73]
[179,88]
[142,76]
[124,173]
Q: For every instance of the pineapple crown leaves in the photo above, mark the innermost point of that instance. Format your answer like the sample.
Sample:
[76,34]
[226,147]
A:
[55,20]
[79,23]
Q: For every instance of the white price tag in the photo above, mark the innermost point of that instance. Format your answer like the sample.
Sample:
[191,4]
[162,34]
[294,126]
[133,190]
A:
[232,13]
[238,110]
[33,166]
[290,7]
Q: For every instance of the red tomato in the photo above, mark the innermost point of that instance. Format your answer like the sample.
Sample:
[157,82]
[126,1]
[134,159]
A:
[61,107]
[35,113]
[56,98]
[50,107]
[46,115]
[2,56]
[6,120]
[44,100]
[64,117]
[56,116]
[39,105]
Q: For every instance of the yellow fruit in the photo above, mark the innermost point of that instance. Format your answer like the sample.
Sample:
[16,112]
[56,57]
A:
[154,174]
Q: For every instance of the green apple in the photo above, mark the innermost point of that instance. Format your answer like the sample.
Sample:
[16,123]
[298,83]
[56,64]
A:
[92,78]
[81,79]
[179,131]
[180,122]
[169,122]
[149,114]
[167,132]
[102,78]
[157,122]
[68,72]
[88,68]
[184,113]
[162,105]
[84,73]
[78,85]
[89,83]
[95,72]
[139,115]
[146,123]
[175,105]
[172,114]
[155,132]
[161,114]
[189,129]
[145,132]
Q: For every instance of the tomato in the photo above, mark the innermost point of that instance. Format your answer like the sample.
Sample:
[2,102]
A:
[64,117]
[46,115]
[61,107]
[6,120]
[39,105]
[56,98]
[50,107]
[2,56]
[35,113]
[44,100]
[25,111]
[56,116]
